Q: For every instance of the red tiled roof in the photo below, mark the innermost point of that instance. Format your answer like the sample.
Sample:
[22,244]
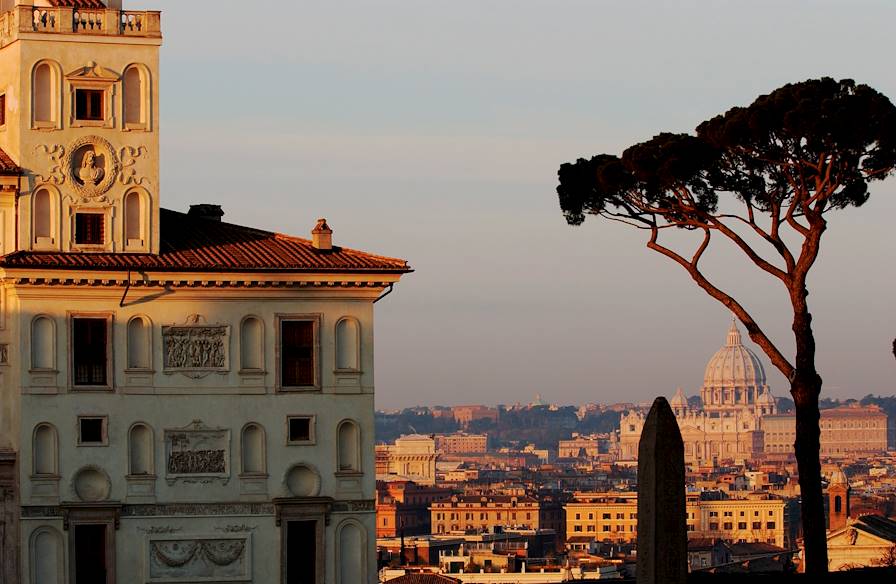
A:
[7,166]
[423,579]
[79,3]
[191,243]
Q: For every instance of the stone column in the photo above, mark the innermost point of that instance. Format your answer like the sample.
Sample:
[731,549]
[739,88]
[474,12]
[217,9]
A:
[662,530]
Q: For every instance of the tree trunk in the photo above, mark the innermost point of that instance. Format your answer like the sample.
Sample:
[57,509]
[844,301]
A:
[805,387]
[807,448]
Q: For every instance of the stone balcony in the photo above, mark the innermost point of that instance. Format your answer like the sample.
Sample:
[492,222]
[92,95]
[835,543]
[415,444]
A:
[27,20]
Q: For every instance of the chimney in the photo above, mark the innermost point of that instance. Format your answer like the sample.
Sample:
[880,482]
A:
[322,236]
[206,211]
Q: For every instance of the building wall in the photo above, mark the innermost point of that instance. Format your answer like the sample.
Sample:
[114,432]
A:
[845,431]
[170,402]
[472,513]
[616,519]
[461,443]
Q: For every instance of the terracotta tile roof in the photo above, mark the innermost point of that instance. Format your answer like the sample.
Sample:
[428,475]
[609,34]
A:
[193,244]
[79,3]
[7,166]
[424,579]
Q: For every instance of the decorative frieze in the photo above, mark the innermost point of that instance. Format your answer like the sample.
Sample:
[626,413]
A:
[196,349]
[176,558]
[197,451]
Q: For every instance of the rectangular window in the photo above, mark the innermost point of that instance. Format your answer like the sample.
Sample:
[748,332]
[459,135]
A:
[300,429]
[89,104]
[742,525]
[92,431]
[89,351]
[90,228]
[770,525]
[297,353]
[757,525]
[728,526]
[606,528]
[3,109]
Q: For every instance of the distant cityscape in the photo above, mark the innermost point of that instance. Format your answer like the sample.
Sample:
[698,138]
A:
[552,489]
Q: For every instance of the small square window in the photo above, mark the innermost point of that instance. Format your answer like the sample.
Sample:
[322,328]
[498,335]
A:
[300,429]
[89,228]
[91,431]
[89,104]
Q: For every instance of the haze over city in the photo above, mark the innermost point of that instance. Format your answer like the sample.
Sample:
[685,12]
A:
[433,131]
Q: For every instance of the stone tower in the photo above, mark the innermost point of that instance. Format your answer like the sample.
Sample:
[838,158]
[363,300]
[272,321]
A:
[838,499]
[79,86]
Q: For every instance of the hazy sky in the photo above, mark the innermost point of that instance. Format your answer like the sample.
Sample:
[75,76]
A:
[433,131]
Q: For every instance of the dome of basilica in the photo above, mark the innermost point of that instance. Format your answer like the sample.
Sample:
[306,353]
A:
[734,365]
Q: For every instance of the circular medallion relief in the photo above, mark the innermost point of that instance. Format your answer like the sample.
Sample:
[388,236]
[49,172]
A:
[302,481]
[92,484]
[92,166]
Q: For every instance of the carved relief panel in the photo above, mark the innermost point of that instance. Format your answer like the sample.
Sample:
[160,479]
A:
[196,349]
[181,558]
[197,453]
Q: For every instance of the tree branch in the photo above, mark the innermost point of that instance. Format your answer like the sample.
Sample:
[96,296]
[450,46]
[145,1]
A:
[756,334]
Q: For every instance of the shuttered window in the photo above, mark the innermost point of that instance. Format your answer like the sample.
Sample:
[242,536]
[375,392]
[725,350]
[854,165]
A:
[297,353]
[90,351]
[89,228]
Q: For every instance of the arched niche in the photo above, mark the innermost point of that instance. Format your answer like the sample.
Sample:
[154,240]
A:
[251,344]
[46,557]
[43,343]
[139,343]
[45,94]
[351,552]
[45,218]
[45,450]
[141,455]
[348,441]
[253,448]
[348,344]
[137,207]
[136,101]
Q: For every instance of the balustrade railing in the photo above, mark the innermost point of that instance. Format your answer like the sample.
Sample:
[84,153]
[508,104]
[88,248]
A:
[89,21]
[60,19]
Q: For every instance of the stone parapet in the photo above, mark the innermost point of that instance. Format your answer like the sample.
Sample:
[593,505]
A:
[25,20]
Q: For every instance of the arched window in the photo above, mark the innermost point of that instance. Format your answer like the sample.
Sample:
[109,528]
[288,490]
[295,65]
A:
[43,217]
[251,344]
[139,343]
[43,343]
[348,447]
[134,98]
[253,450]
[348,344]
[45,450]
[46,561]
[140,450]
[133,219]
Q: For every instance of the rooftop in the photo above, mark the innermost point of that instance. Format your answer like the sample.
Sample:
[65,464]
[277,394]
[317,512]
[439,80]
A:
[190,243]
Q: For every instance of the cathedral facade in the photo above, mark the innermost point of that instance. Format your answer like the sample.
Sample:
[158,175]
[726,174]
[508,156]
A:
[182,399]
[727,427]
